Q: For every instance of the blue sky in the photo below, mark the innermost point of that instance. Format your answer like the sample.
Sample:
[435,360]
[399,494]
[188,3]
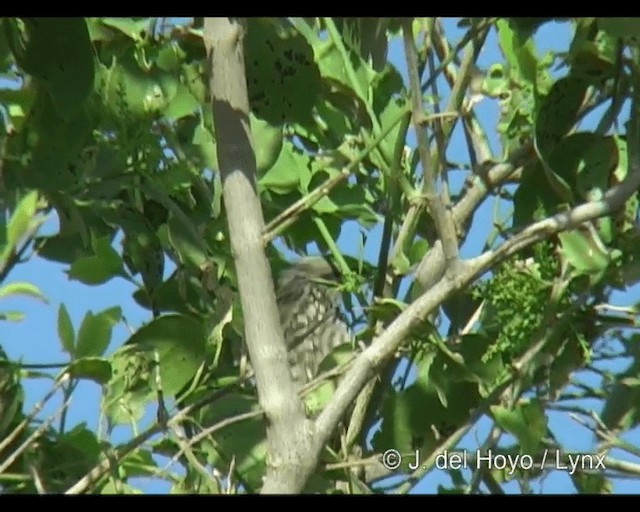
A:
[34,339]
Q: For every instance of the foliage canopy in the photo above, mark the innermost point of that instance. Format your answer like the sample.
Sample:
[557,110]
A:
[107,124]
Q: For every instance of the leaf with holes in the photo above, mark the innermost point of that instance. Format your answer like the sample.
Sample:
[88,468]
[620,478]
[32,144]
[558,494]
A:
[283,80]
[58,51]
[54,146]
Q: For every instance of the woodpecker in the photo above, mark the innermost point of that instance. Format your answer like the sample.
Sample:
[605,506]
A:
[310,315]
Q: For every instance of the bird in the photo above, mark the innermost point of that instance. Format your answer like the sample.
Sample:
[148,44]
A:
[309,307]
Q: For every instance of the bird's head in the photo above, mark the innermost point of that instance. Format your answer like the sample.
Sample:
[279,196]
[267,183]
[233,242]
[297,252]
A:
[311,269]
[308,270]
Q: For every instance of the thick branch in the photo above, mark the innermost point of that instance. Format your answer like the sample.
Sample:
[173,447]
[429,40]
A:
[288,430]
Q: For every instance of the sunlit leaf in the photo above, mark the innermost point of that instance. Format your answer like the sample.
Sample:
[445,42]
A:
[66,333]
[94,333]
[92,368]
[22,288]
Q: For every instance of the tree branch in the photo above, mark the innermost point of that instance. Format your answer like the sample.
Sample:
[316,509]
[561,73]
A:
[443,219]
[288,430]
[385,345]
[432,266]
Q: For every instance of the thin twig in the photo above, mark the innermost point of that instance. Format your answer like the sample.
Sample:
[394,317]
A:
[479,475]
[37,481]
[287,217]
[35,435]
[206,432]
[34,412]
[445,226]
[122,451]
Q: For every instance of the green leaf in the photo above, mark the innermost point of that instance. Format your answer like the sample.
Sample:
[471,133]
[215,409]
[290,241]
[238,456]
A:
[621,410]
[11,393]
[527,422]
[320,396]
[58,51]
[70,456]
[182,231]
[183,239]
[533,199]
[267,140]
[66,333]
[528,26]
[53,147]
[130,92]
[12,316]
[193,77]
[584,251]
[589,483]
[289,172]
[183,104]
[620,27]
[387,309]
[366,36]
[175,295]
[244,441]
[129,389]
[94,334]
[18,104]
[417,251]
[179,343]
[22,218]
[134,28]
[204,144]
[140,463]
[97,269]
[348,201]
[558,110]
[477,367]
[5,50]
[170,57]
[22,288]
[405,424]
[401,263]
[600,160]
[283,81]
[519,49]
[557,115]
[91,368]
[333,65]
